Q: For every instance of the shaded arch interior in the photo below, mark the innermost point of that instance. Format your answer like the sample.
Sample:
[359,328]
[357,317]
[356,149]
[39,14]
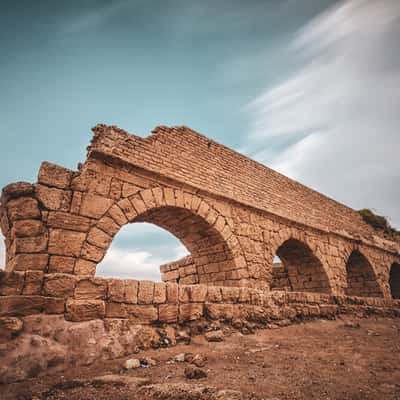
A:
[361,279]
[299,269]
[394,280]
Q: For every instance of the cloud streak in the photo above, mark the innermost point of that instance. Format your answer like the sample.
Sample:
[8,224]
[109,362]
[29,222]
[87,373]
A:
[336,120]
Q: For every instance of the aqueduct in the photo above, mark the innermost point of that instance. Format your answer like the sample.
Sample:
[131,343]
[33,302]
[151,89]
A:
[233,214]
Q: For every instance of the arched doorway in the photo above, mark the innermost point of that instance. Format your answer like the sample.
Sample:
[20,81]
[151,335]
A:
[394,280]
[296,268]
[137,252]
[361,279]
[214,250]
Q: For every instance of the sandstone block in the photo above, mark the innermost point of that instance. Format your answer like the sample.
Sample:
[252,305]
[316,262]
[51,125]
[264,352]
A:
[160,293]
[54,305]
[54,175]
[53,198]
[11,283]
[61,264]
[214,294]
[116,213]
[116,290]
[127,208]
[95,206]
[63,220]
[27,227]
[76,202]
[92,253]
[116,310]
[99,238]
[35,244]
[141,313]
[108,225]
[84,310]
[33,282]
[168,313]
[190,311]
[59,285]
[184,294]
[65,243]
[16,306]
[23,208]
[172,293]
[131,291]
[146,292]
[138,204]
[84,267]
[17,189]
[230,294]
[198,293]
[220,311]
[91,288]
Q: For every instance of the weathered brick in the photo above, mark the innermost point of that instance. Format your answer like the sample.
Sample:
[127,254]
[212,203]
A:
[35,244]
[91,288]
[168,313]
[53,198]
[65,243]
[61,264]
[63,220]
[23,262]
[95,206]
[27,227]
[146,292]
[17,306]
[59,285]
[23,208]
[11,283]
[84,310]
[33,282]
[54,175]
[190,311]
[99,238]
[84,267]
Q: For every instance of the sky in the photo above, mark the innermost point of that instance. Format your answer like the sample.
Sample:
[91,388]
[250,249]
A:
[307,87]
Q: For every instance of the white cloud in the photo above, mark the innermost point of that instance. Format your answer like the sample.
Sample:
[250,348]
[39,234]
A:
[339,114]
[122,263]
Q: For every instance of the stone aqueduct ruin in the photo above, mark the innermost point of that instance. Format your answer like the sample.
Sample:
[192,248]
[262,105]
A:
[232,214]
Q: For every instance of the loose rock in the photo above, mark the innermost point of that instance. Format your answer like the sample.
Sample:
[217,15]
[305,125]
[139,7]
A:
[215,336]
[193,372]
[132,363]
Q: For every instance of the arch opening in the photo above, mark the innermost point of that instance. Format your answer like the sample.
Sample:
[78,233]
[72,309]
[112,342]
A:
[137,252]
[361,279]
[296,268]
[394,280]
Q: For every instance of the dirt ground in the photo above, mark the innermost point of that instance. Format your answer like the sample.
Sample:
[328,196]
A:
[343,359]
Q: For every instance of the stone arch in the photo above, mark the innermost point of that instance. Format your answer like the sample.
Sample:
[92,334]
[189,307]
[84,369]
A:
[214,249]
[361,277]
[394,280]
[301,269]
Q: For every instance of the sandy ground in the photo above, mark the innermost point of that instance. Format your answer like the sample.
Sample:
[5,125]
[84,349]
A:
[353,359]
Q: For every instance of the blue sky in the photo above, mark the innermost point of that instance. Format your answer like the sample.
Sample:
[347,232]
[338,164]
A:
[291,83]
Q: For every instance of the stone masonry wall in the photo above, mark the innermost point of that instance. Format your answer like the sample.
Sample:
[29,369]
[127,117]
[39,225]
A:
[65,223]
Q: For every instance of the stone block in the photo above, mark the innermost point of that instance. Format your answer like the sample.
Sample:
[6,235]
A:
[84,310]
[116,310]
[91,288]
[84,267]
[65,243]
[35,244]
[63,220]
[230,294]
[23,262]
[92,253]
[95,206]
[190,311]
[54,175]
[17,189]
[23,208]
[160,293]
[53,198]
[117,215]
[11,283]
[61,264]
[16,306]
[146,292]
[108,225]
[131,291]
[127,208]
[116,290]
[198,293]
[99,238]
[27,227]
[184,294]
[214,294]
[172,293]
[220,311]
[33,283]
[54,305]
[168,313]
[59,285]
[142,314]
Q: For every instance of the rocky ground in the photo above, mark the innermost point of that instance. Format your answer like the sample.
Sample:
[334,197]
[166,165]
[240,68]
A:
[342,359]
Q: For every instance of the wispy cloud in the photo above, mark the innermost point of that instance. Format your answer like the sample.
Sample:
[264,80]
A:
[334,124]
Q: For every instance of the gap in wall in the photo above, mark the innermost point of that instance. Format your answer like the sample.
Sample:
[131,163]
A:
[137,252]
